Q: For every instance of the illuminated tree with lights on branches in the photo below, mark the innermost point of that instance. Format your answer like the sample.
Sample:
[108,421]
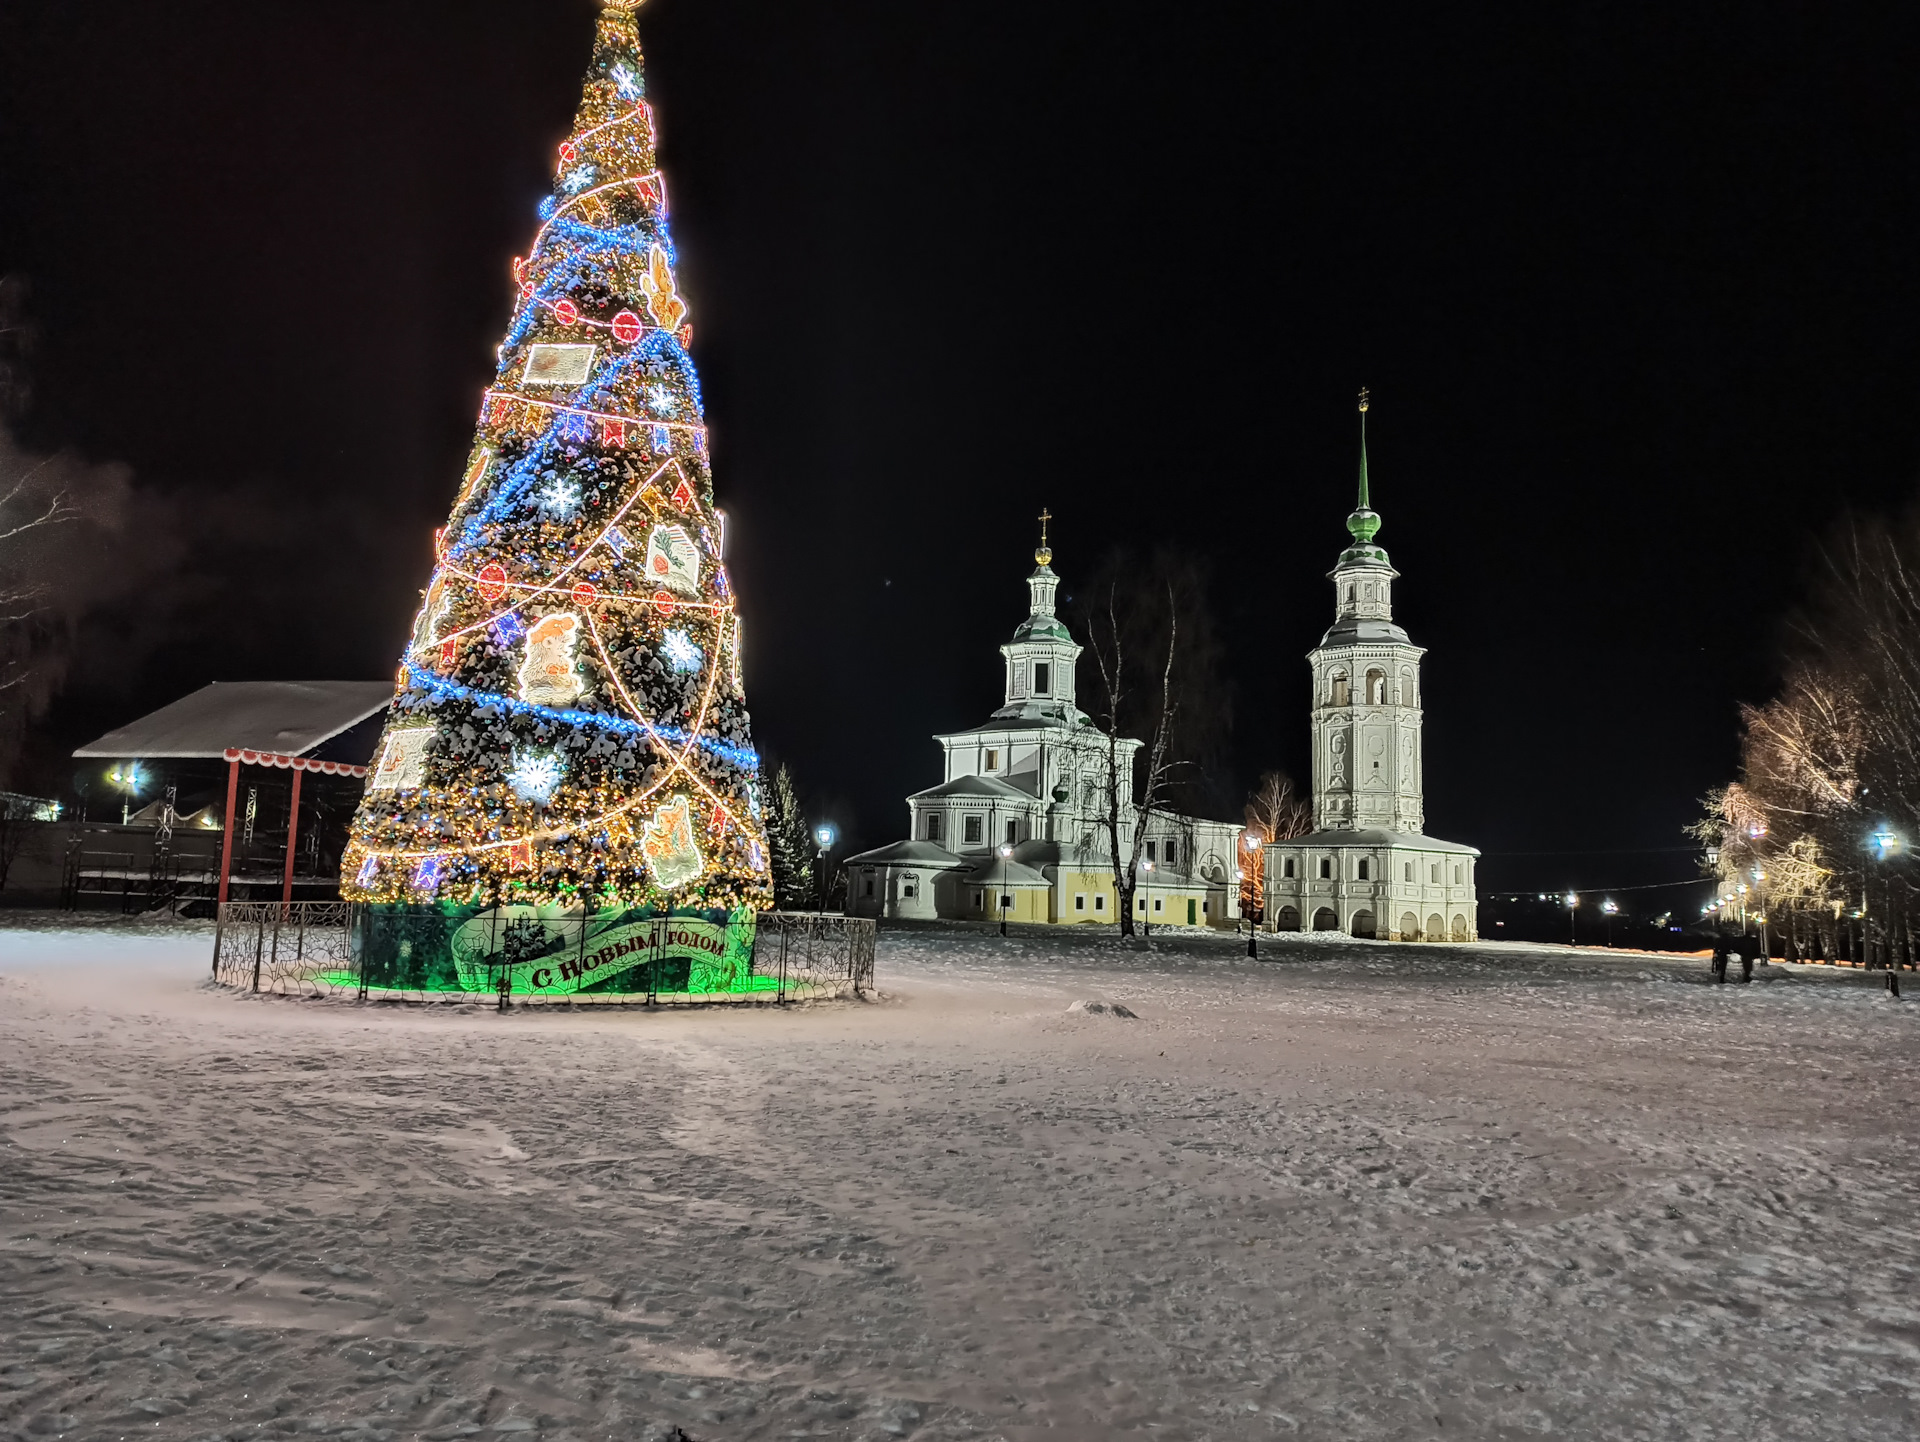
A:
[569,726]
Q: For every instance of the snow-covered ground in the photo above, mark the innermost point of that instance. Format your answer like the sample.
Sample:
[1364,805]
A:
[1346,1191]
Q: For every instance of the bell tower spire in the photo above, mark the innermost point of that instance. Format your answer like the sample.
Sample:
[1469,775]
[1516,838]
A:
[1366,718]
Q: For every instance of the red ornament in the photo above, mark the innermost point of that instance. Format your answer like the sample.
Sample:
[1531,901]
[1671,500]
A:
[519,270]
[449,653]
[683,495]
[526,291]
[613,432]
[626,327]
[567,153]
[566,312]
[717,823]
[584,594]
[492,581]
[663,602]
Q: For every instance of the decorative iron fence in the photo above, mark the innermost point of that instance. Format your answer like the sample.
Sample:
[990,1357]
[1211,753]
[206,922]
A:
[520,956]
[293,949]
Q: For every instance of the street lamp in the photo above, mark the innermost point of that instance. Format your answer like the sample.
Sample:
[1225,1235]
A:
[823,836]
[127,777]
[1006,895]
[1573,910]
[1611,909]
[1886,845]
[1253,918]
[1147,906]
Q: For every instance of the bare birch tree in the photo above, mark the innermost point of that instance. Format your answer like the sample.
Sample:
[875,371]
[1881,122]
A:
[1156,683]
[1274,812]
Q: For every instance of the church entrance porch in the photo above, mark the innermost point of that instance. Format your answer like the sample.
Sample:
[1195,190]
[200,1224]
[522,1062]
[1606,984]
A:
[1325,920]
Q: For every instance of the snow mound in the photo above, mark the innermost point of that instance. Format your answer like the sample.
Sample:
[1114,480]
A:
[1099,1008]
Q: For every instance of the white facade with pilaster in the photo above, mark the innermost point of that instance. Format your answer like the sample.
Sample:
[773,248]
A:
[1034,776]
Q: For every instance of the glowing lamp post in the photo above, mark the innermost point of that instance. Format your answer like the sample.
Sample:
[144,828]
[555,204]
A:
[1147,902]
[823,836]
[1886,844]
[127,777]
[1610,909]
[1004,889]
[1573,911]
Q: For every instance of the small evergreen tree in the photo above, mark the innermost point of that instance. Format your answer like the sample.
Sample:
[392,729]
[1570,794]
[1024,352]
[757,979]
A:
[787,841]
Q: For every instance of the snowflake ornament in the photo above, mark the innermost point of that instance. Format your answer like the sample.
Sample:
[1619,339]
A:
[681,652]
[535,776]
[560,499]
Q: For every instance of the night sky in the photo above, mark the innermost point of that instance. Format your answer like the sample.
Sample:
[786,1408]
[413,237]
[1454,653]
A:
[1633,293]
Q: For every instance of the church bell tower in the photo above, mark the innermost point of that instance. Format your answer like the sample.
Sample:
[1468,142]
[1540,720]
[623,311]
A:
[1367,763]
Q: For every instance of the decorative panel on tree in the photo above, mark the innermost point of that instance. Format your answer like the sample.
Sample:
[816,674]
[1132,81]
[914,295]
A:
[569,728]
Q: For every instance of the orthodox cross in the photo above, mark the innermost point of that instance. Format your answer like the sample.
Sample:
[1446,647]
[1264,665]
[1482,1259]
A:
[1045,516]
[1363,399]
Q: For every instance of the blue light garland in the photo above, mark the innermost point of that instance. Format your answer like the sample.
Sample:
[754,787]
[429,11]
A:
[744,757]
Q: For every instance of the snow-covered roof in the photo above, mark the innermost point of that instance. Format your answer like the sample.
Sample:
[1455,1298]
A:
[1018,717]
[1377,837]
[974,786]
[289,718]
[907,853]
[996,870]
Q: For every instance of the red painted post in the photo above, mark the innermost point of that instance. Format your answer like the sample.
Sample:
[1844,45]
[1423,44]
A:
[293,835]
[226,842]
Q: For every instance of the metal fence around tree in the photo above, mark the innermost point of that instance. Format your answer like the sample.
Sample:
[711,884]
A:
[319,949]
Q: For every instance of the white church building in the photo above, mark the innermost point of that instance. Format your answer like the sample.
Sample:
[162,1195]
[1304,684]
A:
[1017,827]
[1367,868]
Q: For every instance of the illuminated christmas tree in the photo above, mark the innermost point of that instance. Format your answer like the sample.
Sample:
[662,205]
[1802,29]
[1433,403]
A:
[570,728]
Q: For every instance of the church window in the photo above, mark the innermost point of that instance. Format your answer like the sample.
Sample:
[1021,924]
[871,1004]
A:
[1365,868]
[993,759]
[1409,871]
[1286,868]
[1013,832]
[1100,903]
[1349,594]
[1376,688]
[1433,872]
[1019,678]
[973,830]
[910,886]
[1159,903]
[1150,852]
[1456,875]
[1339,688]
[1326,868]
[1406,687]
[1079,901]
[1042,678]
[868,876]
[979,899]
[934,820]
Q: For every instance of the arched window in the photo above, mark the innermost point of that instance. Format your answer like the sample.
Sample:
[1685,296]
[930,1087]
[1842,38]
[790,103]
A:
[1339,697]
[1366,869]
[1376,688]
[1349,593]
[1407,697]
